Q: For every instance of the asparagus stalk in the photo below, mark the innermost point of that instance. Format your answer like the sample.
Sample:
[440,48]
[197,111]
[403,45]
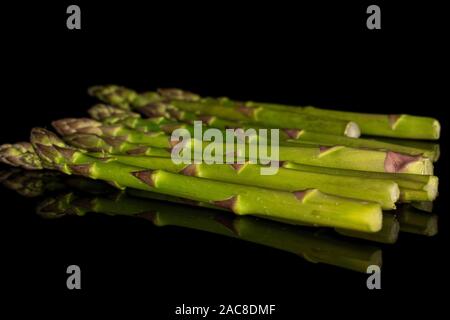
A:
[294,137]
[413,187]
[397,126]
[310,206]
[314,246]
[158,122]
[303,136]
[334,157]
[393,125]
[224,109]
[417,222]
[430,147]
[384,192]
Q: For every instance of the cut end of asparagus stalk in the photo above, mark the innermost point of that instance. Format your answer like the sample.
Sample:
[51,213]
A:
[395,194]
[401,163]
[432,188]
[352,130]
[21,155]
[436,129]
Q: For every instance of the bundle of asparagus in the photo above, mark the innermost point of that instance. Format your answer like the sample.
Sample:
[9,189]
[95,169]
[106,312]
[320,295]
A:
[328,176]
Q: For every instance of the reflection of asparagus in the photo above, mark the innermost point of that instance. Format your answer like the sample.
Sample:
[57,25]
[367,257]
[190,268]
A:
[334,157]
[308,206]
[413,187]
[418,222]
[426,206]
[36,183]
[227,110]
[313,245]
[32,183]
[387,234]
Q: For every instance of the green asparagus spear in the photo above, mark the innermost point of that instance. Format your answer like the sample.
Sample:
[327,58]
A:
[430,147]
[225,109]
[413,187]
[394,125]
[310,206]
[384,192]
[398,126]
[20,155]
[163,122]
[334,157]
[294,137]
[303,136]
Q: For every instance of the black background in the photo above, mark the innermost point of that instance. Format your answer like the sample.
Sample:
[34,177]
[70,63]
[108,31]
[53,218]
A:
[277,51]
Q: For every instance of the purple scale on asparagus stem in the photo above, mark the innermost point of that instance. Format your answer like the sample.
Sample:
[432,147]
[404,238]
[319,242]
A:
[67,153]
[300,194]
[292,133]
[238,166]
[169,128]
[81,169]
[246,111]
[396,162]
[205,118]
[229,203]
[115,141]
[138,151]
[189,170]
[393,118]
[323,149]
[145,176]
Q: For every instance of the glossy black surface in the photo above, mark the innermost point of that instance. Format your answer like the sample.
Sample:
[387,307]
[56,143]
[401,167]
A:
[321,55]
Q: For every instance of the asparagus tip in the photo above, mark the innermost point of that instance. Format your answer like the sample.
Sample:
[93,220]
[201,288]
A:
[20,154]
[436,129]
[70,126]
